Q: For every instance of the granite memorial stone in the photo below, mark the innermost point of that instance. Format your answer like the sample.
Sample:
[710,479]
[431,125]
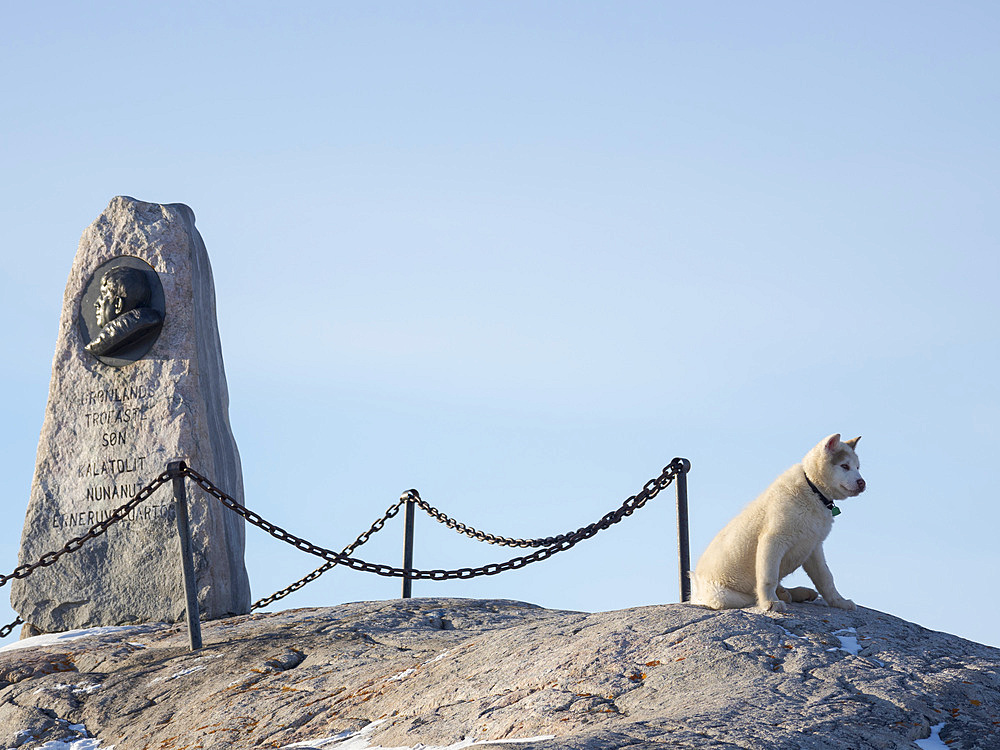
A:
[137,381]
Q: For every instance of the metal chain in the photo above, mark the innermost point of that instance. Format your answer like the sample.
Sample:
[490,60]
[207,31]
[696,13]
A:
[559,544]
[49,558]
[549,545]
[120,513]
[362,538]
[679,464]
[482,536]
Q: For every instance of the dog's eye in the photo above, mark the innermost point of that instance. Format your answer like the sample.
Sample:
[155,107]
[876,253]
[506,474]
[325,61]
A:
[845,467]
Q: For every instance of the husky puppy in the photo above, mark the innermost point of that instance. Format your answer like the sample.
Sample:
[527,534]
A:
[779,531]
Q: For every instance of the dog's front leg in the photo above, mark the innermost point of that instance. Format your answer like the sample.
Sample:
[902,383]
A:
[770,550]
[817,569]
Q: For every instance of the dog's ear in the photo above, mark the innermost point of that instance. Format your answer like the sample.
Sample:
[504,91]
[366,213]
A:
[853,442]
[832,442]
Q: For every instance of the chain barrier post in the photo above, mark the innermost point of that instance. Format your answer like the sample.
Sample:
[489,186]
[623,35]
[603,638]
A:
[408,542]
[176,471]
[683,547]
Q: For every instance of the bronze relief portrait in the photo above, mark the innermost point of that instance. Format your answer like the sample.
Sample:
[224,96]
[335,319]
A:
[122,311]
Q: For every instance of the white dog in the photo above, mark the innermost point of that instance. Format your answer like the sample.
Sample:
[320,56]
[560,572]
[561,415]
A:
[779,531]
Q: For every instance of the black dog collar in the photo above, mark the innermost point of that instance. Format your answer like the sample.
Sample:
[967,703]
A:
[834,510]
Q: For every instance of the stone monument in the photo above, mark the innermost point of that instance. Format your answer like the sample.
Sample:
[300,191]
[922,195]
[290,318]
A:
[137,381]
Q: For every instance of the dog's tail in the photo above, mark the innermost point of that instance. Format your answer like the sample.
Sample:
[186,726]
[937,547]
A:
[714,595]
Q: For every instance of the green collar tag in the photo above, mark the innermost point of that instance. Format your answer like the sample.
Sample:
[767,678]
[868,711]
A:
[827,502]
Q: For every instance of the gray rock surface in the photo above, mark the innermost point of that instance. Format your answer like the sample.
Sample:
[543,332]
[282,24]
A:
[109,430]
[436,671]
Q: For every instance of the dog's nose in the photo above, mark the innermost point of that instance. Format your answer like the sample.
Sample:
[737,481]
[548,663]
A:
[861,485]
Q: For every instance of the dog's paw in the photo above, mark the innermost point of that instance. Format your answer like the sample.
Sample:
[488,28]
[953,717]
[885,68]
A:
[843,604]
[802,594]
[775,606]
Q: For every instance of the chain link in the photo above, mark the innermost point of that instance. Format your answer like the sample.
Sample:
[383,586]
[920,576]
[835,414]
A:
[555,545]
[362,538]
[505,541]
[118,514]
[49,558]
[482,536]
[8,629]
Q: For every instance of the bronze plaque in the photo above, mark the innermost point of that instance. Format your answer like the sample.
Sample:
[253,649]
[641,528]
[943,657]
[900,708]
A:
[122,311]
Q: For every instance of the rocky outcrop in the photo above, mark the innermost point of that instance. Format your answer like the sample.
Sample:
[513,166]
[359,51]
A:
[445,672]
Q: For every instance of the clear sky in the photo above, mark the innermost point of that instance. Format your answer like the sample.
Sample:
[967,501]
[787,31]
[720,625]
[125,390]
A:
[520,255]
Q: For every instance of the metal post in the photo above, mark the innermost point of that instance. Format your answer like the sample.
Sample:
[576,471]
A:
[408,543]
[187,561]
[683,548]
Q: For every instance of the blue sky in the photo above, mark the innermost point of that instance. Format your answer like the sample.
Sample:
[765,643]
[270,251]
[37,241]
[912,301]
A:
[520,255]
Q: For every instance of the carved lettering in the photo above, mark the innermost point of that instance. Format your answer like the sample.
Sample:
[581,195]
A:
[117,395]
[114,466]
[121,492]
[115,415]
[119,416]
[88,518]
[113,438]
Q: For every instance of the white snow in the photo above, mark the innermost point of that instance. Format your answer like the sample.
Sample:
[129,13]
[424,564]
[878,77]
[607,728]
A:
[439,657]
[54,639]
[848,638]
[67,686]
[849,641]
[407,672]
[402,675]
[934,742]
[359,741]
[189,670]
[327,741]
[789,633]
[89,743]
[83,742]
